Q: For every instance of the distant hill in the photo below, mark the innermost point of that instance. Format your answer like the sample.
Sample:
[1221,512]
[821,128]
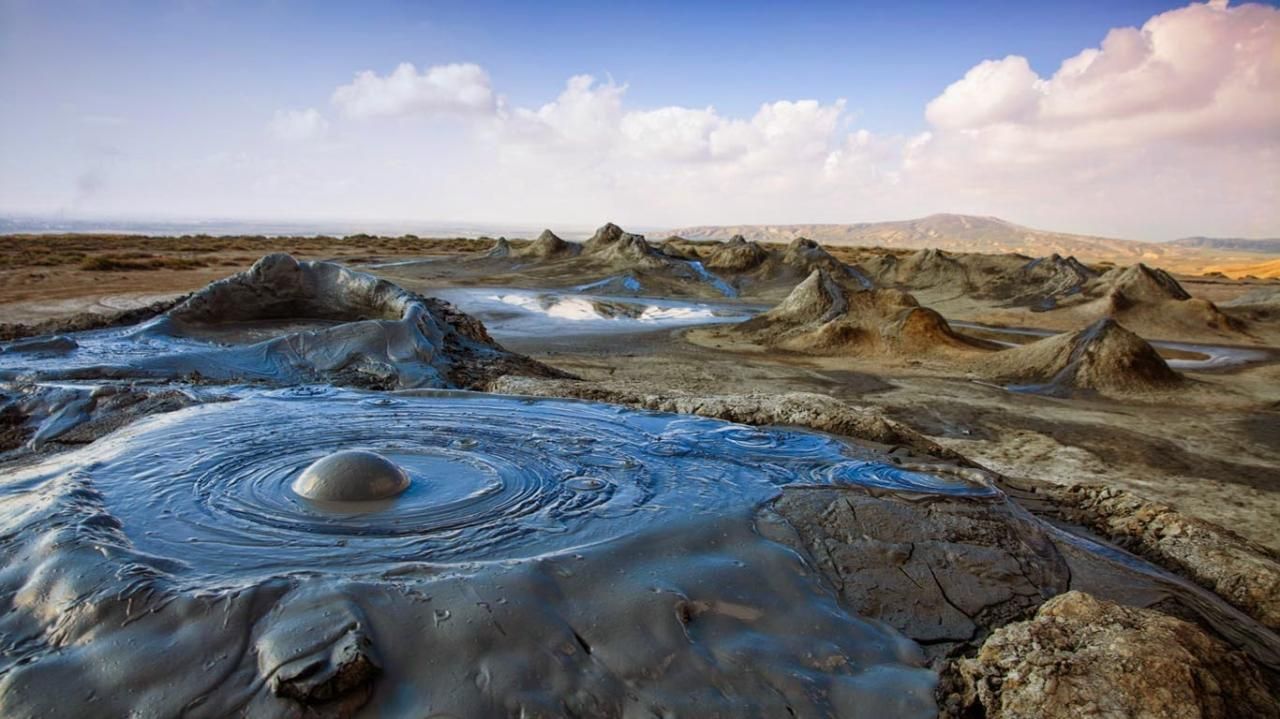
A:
[955,233]
[1265,270]
[1270,245]
[992,235]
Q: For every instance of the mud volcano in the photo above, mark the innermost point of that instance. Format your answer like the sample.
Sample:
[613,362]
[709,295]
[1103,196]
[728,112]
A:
[823,315]
[1103,356]
[287,322]
[489,528]
[225,488]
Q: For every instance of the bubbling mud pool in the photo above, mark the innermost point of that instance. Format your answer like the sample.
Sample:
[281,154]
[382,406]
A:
[545,558]
[489,478]
[514,313]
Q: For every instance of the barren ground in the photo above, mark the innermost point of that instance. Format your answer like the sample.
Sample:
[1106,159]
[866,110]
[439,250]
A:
[1212,450]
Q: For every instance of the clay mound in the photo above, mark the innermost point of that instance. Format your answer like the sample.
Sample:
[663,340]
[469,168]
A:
[818,299]
[807,255]
[280,287]
[549,246]
[923,269]
[779,270]
[822,316]
[681,249]
[736,255]
[386,336]
[612,245]
[1140,283]
[501,248]
[1153,300]
[1104,356]
[1260,305]
[1041,283]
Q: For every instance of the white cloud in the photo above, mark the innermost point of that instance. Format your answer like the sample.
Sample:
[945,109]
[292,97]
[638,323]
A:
[457,88]
[1172,124]
[298,125]
[1169,129]
[993,91]
[1202,69]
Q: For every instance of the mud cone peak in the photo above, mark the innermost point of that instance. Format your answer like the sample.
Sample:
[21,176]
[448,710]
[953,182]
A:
[1103,356]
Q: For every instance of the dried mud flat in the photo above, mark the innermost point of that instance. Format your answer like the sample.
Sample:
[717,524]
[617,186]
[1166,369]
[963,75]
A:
[657,519]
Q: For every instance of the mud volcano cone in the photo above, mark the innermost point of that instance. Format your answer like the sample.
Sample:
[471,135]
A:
[822,315]
[548,246]
[1103,356]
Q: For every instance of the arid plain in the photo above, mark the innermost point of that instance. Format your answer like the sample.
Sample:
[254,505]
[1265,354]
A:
[1124,407]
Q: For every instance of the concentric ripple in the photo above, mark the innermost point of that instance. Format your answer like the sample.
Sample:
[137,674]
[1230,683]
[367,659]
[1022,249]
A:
[492,478]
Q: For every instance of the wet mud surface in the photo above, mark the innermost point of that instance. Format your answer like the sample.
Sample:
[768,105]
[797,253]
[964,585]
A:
[197,518]
[491,478]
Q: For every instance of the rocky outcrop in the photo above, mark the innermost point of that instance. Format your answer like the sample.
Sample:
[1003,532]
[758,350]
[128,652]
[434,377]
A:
[1084,657]
[945,571]
[821,316]
[1242,572]
[1104,356]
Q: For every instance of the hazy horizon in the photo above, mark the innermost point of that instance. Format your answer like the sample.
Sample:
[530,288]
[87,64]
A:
[1148,121]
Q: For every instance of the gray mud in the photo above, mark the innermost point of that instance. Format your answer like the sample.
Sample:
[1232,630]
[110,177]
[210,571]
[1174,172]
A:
[529,529]
[516,314]
[284,322]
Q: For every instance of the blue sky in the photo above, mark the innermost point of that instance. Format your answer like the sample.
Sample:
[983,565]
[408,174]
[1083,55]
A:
[159,109]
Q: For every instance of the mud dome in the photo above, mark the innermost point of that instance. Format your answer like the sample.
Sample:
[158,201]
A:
[284,322]
[493,584]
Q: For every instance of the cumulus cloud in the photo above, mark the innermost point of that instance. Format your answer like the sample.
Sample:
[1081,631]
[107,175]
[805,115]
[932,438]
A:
[1193,71]
[1170,128]
[1151,124]
[993,91]
[298,125]
[455,88]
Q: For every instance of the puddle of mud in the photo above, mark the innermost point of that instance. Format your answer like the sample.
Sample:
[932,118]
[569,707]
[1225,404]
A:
[493,478]
[529,528]
[512,313]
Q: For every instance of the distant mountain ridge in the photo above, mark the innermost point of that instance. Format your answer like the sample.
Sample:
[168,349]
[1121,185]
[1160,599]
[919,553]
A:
[955,233]
[992,235]
[1266,245]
